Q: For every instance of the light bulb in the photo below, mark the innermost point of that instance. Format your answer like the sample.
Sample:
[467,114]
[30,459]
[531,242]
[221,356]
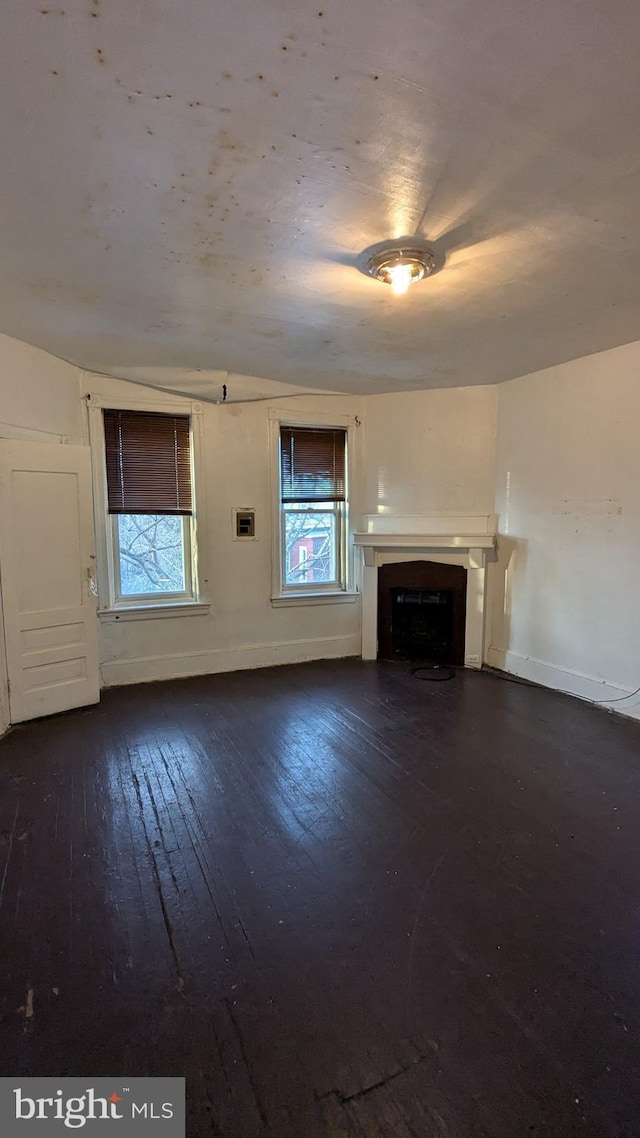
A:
[400,278]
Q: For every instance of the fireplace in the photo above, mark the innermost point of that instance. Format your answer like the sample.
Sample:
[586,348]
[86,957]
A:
[461,542]
[421,612]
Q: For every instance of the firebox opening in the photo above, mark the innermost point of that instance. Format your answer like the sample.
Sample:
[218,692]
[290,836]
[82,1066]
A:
[422,612]
[422,624]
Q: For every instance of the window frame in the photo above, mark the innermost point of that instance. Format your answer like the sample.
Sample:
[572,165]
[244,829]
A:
[310,592]
[112,604]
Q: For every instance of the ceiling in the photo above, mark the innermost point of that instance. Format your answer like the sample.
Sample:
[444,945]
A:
[187,187]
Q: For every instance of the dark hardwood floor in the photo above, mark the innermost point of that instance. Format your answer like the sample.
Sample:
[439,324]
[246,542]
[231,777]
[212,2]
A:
[341,901]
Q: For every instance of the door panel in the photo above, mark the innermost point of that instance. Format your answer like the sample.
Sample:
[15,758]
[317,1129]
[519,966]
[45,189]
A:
[46,562]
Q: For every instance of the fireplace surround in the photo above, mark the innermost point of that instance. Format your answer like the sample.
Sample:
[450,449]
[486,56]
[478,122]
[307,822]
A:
[465,540]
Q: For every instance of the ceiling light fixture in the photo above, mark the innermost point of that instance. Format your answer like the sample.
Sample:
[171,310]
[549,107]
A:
[398,264]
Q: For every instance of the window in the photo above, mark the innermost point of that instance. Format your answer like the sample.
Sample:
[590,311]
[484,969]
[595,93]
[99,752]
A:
[150,507]
[313,495]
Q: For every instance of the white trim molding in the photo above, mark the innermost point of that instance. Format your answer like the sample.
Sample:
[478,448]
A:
[154,612]
[291,600]
[144,669]
[608,695]
[372,543]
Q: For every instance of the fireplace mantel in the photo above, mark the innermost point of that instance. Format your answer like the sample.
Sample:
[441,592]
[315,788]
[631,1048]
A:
[458,539]
[372,543]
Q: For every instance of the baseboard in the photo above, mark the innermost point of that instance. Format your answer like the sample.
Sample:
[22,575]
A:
[144,669]
[567,680]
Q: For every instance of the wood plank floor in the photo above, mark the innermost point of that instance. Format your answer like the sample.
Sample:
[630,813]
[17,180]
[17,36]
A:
[341,901]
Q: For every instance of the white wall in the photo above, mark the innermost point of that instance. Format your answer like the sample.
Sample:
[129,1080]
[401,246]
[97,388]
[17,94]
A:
[39,395]
[242,628]
[430,451]
[427,454]
[565,599]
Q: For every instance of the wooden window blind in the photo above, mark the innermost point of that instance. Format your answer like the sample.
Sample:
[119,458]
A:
[312,464]
[148,462]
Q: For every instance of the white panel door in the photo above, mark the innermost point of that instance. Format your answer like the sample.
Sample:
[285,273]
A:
[46,565]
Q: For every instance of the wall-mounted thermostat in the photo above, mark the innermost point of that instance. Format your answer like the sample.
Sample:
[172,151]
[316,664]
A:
[244,524]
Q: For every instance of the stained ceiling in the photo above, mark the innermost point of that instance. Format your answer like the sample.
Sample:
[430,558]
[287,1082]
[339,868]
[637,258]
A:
[187,186]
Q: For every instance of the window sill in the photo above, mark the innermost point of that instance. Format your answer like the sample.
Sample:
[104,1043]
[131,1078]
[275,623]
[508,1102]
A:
[153,612]
[340,598]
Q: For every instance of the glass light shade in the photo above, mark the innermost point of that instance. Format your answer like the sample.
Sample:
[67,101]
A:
[399,264]
[400,277]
